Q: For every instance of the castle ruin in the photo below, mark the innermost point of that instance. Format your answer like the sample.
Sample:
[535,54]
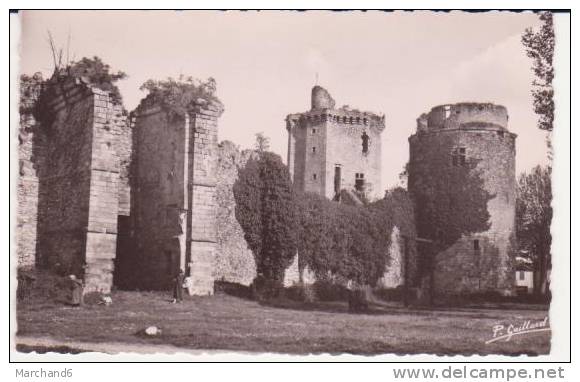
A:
[113,199]
[330,149]
[127,199]
[173,196]
[458,135]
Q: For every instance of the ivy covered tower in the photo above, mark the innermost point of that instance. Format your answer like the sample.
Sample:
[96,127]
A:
[330,149]
[470,137]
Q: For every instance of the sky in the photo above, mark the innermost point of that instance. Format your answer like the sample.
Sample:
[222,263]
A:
[400,64]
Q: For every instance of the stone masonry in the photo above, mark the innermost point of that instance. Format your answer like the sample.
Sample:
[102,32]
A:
[115,200]
[27,190]
[333,149]
[478,132]
[234,261]
[103,195]
[174,206]
[79,161]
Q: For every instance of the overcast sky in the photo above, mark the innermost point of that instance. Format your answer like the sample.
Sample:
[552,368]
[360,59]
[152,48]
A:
[265,63]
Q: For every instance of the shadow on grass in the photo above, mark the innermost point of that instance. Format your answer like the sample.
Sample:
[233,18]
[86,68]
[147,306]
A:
[389,308]
[233,289]
[41,349]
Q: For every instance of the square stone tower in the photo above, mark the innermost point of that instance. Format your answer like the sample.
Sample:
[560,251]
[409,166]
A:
[77,180]
[174,209]
[331,149]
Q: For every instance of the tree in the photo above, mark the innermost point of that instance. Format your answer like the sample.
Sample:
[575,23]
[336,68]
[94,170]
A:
[540,48]
[266,211]
[317,244]
[533,220]
[262,142]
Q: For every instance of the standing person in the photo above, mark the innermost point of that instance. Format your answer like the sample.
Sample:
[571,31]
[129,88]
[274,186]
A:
[178,287]
[76,286]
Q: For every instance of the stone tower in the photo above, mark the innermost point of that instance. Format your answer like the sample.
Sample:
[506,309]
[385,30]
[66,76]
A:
[332,149]
[455,135]
[80,153]
[173,205]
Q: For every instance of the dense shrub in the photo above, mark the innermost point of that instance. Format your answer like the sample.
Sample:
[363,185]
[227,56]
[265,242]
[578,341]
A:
[266,211]
[330,291]
[341,242]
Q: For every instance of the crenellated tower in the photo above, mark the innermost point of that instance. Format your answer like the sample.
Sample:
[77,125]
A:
[474,136]
[332,149]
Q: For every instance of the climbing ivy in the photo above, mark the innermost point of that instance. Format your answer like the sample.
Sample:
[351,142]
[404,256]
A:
[266,211]
[341,242]
[449,196]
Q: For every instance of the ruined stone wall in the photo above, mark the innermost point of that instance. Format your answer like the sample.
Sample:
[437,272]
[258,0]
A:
[173,195]
[203,226]
[108,189]
[234,261]
[27,191]
[78,181]
[468,266]
[158,196]
[64,179]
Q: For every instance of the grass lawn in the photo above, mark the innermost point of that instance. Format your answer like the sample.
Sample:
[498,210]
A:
[225,322]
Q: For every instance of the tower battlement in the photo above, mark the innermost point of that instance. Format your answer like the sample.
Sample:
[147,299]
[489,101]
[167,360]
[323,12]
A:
[463,116]
[342,116]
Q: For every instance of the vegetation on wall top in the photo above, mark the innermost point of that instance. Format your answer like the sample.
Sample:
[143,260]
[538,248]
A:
[179,95]
[92,71]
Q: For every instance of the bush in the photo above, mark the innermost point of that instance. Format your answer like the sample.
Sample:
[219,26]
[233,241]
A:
[264,289]
[300,293]
[391,294]
[330,291]
[358,301]
[341,242]
[266,211]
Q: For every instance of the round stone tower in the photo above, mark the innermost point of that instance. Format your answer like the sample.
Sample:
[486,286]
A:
[471,137]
